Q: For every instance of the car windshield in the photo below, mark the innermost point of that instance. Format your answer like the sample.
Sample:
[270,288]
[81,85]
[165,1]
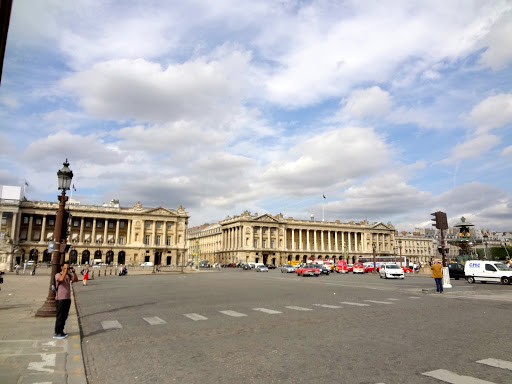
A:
[392,266]
[502,267]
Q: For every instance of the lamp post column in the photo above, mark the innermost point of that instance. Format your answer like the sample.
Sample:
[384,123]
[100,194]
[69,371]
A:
[374,260]
[48,308]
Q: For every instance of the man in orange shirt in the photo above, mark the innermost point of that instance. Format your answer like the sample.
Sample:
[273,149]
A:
[437,274]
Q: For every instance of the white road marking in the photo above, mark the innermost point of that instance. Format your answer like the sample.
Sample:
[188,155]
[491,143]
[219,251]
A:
[111,324]
[414,297]
[497,363]
[453,378]
[299,308]
[357,304]
[154,320]
[327,306]
[233,313]
[394,299]
[269,311]
[378,302]
[42,366]
[195,316]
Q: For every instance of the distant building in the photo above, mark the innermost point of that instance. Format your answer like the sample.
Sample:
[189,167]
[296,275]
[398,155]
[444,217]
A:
[109,234]
[274,239]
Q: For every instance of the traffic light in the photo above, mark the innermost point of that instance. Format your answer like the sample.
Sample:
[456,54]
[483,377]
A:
[440,220]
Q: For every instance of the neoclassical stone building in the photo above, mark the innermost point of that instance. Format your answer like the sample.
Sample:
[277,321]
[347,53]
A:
[276,239]
[108,234]
[416,248]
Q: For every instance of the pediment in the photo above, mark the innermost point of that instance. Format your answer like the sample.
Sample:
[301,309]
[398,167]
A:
[381,226]
[160,211]
[266,219]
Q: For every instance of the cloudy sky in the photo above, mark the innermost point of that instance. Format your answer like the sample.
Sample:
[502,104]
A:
[391,109]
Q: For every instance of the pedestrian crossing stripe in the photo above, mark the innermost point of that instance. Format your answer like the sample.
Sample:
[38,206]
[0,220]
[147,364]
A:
[154,320]
[233,313]
[497,363]
[265,310]
[378,302]
[356,304]
[328,306]
[111,324]
[195,316]
[299,308]
[394,299]
[453,378]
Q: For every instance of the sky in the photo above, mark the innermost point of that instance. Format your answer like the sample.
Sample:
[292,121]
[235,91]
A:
[392,110]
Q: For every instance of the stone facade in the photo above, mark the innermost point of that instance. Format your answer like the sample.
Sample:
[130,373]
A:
[275,240]
[417,249]
[109,234]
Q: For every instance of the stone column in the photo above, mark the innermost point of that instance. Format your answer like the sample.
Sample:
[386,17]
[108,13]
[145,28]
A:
[93,239]
[322,242]
[261,237]
[293,239]
[349,241]
[307,240]
[300,239]
[129,232]
[153,233]
[336,246]
[105,231]
[30,223]
[14,237]
[116,240]
[43,230]
[81,234]
[315,244]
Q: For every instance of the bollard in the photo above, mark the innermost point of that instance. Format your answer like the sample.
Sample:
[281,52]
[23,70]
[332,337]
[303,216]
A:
[105,273]
[110,271]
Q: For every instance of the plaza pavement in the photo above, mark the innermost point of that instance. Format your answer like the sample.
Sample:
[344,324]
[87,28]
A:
[28,352]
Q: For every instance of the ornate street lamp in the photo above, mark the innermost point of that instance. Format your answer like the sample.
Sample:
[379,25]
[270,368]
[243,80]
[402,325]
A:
[65,175]
[400,246]
[374,247]
[485,244]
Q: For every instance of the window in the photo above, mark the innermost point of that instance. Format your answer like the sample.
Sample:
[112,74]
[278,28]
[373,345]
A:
[256,229]
[158,240]
[169,225]
[148,224]
[51,222]
[271,243]
[99,224]
[264,230]
[168,240]
[23,234]
[38,221]
[88,224]
[255,244]
[25,219]
[121,240]
[489,267]
[121,224]
[158,224]
[75,223]
[264,243]
[37,236]
[272,230]
[111,224]
[146,240]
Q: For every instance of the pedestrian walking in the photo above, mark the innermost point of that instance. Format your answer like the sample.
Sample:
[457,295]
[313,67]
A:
[17,268]
[85,272]
[24,266]
[34,268]
[63,282]
[437,274]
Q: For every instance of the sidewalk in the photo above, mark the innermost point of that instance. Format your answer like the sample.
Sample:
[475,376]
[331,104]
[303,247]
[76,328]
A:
[28,352]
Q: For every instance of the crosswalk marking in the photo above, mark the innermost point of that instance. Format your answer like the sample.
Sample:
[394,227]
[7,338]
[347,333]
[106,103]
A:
[233,313]
[327,306]
[195,316]
[356,304]
[111,324]
[453,378]
[378,302]
[299,308]
[154,320]
[393,299]
[269,311]
[414,297]
[497,363]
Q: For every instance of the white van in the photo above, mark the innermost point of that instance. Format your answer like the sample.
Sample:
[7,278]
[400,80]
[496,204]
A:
[484,271]
[147,264]
[251,264]
[257,265]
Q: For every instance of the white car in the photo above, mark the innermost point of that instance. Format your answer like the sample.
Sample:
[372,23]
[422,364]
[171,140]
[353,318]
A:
[288,268]
[261,268]
[147,264]
[391,271]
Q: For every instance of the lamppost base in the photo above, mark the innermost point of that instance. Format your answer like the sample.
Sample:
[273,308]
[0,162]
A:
[47,310]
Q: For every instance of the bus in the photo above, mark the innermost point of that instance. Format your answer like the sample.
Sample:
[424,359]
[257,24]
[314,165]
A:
[402,261]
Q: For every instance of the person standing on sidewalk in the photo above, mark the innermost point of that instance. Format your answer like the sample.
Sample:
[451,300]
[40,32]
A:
[85,272]
[17,268]
[63,282]
[437,274]
[24,266]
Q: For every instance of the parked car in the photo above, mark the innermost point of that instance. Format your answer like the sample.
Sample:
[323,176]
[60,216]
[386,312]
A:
[350,267]
[261,268]
[358,268]
[368,267]
[307,270]
[456,271]
[271,266]
[341,267]
[324,270]
[246,267]
[391,271]
[287,268]
[484,271]
[407,269]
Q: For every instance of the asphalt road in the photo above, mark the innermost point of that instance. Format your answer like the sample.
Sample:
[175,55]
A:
[238,326]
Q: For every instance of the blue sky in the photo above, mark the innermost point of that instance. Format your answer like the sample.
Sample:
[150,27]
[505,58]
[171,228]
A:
[392,110]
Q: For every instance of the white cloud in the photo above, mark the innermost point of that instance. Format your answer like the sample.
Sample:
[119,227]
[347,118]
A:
[499,41]
[507,151]
[493,112]
[363,102]
[472,148]
[146,92]
[9,101]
